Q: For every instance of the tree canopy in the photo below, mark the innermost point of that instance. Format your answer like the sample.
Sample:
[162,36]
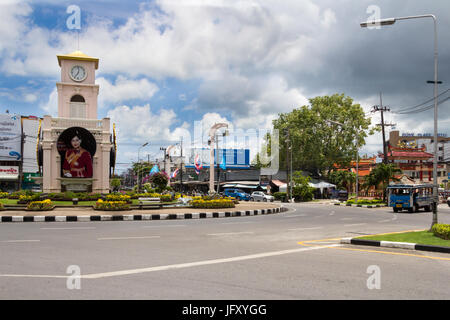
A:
[317,144]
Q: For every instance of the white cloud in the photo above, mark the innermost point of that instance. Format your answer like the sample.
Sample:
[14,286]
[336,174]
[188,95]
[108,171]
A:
[139,123]
[51,106]
[124,89]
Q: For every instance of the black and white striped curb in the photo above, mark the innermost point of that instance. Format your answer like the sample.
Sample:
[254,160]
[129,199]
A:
[390,244]
[361,205]
[136,217]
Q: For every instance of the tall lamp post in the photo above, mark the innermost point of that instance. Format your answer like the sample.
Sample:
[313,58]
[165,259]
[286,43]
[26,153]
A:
[390,21]
[139,169]
[212,137]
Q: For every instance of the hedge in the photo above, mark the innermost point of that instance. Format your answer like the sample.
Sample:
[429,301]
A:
[212,204]
[441,230]
[111,205]
[280,196]
[45,205]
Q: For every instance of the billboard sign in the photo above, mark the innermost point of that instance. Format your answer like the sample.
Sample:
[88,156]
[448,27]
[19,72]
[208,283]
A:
[9,173]
[10,137]
[233,158]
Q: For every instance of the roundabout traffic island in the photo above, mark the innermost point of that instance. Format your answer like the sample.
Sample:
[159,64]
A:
[88,214]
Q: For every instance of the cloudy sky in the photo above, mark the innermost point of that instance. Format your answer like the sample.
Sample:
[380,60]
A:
[165,64]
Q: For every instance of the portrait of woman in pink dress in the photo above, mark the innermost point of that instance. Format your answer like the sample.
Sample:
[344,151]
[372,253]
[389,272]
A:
[77,161]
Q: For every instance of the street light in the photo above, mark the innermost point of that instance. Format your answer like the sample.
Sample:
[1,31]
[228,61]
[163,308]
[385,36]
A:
[139,169]
[357,155]
[212,138]
[391,21]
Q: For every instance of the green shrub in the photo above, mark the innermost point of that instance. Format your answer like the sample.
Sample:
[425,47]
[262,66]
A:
[44,205]
[111,205]
[118,197]
[213,204]
[26,199]
[280,196]
[441,230]
[17,194]
[165,198]
[4,195]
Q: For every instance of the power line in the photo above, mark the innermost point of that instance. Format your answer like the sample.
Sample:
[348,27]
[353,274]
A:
[423,108]
[405,109]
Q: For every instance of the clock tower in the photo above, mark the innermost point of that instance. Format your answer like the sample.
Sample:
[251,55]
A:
[77,91]
[75,149]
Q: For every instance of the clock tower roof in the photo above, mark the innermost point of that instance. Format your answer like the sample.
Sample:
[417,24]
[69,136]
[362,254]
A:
[77,55]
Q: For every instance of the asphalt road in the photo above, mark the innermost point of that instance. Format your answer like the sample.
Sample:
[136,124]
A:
[292,255]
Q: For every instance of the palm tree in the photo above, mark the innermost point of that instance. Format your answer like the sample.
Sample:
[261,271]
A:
[382,174]
[343,179]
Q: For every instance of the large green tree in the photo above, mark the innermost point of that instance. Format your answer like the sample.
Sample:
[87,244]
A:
[318,144]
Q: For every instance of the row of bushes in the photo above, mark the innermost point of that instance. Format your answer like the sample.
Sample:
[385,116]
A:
[213,204]
[280,196]
[111,205]
[441,230]
[365,201]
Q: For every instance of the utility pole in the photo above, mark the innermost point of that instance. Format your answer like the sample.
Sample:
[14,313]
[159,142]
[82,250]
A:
[288,189]
[164,159]
[382,109]
[181,170]
[217,163]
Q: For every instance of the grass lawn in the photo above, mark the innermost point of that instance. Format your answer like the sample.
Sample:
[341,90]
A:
[9,202]
[420,237]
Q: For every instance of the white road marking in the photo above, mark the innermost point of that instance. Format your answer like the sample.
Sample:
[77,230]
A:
[312,228]
[354,224]
[13,241]
[177,266]
[202,263]
[296,215]
[387,220]
[229,233]
[165,226]
[74,228]
[238,222]
[344,219]
[130,238]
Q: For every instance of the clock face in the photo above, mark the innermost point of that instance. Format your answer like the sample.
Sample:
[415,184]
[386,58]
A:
[78,73]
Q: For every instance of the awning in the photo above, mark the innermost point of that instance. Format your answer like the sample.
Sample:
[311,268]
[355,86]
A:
[322,185]
[242,186]
[278,183]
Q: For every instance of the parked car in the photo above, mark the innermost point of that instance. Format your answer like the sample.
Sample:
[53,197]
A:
[237,193]
[261,196]
[342,195]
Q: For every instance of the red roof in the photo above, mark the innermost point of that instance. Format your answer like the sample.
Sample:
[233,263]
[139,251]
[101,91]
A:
[408,154]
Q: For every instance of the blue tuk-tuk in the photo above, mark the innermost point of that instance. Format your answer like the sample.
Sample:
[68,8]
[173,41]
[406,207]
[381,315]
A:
[410,197]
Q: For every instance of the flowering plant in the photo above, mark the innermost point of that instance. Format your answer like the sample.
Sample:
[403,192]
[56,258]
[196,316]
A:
[111,205]
[44,205]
